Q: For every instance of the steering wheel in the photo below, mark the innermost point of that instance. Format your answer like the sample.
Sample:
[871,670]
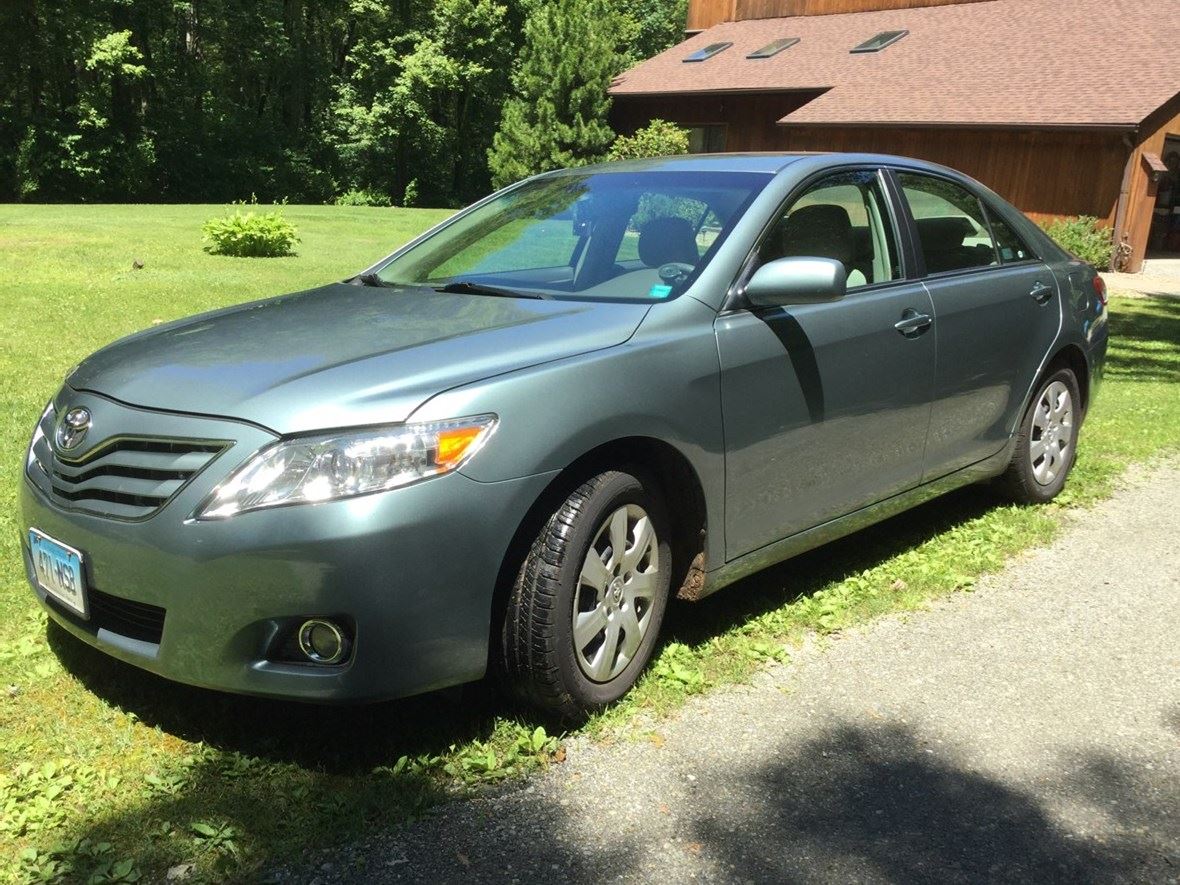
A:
[675,272]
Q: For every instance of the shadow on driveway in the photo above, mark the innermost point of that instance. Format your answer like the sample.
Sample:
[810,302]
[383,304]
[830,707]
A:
[853,804]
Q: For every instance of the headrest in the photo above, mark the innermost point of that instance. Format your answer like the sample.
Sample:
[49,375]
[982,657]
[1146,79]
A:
[664,240]
[943,234]
[823,231]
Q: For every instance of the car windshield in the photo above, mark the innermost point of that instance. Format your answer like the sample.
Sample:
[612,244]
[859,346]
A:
[627,236]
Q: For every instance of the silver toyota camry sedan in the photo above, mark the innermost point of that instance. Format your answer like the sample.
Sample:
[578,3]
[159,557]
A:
[508,445]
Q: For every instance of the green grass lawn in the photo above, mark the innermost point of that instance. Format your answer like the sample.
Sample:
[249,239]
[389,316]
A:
[107,770]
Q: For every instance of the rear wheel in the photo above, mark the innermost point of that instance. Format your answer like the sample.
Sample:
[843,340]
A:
[586,607]
[1046,444]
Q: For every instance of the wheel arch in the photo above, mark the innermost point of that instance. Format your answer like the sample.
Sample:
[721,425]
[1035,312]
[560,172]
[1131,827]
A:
[683,493]
[1071,357]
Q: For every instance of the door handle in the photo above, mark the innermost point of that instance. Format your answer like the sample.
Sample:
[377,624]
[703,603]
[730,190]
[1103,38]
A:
[1041,293]
[913,323]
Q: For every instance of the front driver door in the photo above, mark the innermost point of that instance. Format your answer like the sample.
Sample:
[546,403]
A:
[826,406]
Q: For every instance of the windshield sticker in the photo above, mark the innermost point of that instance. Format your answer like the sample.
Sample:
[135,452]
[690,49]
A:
[658,291]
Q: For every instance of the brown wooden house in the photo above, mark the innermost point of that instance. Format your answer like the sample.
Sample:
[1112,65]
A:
[1065,107]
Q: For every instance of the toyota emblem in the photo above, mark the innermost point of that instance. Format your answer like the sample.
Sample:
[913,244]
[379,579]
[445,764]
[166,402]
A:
[73,427]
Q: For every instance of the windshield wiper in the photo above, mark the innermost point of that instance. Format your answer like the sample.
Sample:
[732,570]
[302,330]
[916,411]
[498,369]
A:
[468,287]
[370,279]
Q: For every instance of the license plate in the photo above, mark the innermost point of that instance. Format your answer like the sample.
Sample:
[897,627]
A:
[58,568]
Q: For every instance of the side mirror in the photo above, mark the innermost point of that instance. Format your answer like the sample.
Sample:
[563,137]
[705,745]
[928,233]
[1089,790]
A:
[797,281]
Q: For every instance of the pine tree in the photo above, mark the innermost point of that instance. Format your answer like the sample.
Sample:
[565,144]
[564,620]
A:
[557,114]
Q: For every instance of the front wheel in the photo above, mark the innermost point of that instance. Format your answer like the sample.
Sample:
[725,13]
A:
[1046,444]
[587,603]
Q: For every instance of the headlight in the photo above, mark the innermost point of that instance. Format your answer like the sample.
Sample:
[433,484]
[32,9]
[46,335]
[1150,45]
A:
[310,469]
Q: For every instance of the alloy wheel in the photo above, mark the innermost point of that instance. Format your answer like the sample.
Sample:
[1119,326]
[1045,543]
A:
[1051,439]
[616,588]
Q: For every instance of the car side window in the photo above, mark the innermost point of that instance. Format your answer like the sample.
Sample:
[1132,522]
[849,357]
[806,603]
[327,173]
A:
[952,227]
[843,217]
[1012,247]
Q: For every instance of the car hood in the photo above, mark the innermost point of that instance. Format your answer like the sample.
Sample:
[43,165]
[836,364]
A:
[344,355]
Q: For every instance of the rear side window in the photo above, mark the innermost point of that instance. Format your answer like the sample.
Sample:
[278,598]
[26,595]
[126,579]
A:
[952,226]
[1012,248]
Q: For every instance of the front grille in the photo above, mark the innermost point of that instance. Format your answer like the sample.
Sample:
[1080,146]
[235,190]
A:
[125,478]
[136,620]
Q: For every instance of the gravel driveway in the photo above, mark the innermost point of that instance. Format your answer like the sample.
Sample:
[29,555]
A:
[1027,731]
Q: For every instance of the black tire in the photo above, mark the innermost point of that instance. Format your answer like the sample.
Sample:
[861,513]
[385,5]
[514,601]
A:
[1020,482]
[540,662]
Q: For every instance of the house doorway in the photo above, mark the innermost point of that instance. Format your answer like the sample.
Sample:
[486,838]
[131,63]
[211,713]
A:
[1164,238]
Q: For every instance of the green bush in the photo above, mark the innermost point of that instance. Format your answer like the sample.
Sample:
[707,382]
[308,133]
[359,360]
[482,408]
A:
[659,138]
[361,197]
[1084,237]
[250,234]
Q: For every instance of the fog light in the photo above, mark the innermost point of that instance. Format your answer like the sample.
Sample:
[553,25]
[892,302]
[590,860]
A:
[323,642]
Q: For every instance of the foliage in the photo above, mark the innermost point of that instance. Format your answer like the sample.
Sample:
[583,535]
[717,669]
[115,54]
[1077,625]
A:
[414,109]
[122,795]
[556,116]
[250,234]
[210,100]
[649,27]
[659,138]
[1084,237]
[360,197]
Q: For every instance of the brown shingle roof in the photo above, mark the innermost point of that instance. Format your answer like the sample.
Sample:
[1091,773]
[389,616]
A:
[1078,63]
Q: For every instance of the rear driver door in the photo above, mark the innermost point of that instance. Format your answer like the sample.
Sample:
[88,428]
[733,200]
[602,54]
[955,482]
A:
[997,312]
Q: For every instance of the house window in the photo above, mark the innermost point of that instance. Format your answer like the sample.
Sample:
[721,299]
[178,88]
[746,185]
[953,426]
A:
[706,139]
[708,52]
[879,42]
[774,48]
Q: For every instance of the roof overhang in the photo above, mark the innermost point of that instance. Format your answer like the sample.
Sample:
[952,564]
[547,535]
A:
[705,93]
[788,123]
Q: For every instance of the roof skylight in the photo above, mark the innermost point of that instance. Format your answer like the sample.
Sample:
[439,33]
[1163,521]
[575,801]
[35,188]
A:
[880,41]
[774,48]
[708,52]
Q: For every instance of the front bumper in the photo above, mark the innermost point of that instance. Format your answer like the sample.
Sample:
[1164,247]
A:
[413,568]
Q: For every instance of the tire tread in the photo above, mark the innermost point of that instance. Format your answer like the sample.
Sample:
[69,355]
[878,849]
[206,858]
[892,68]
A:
[1017,482]
[530,656]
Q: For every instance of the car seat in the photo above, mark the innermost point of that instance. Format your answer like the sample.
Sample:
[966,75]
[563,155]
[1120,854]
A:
[666,240]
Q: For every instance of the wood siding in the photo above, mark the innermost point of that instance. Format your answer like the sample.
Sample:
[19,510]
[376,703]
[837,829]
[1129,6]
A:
[745,9]
[706,13]
[1045,173]
[1142,187]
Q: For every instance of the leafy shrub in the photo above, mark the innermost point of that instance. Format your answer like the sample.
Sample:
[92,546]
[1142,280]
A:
[362,197]
[659,138]
[250,234]
[410,197]
[1085,237]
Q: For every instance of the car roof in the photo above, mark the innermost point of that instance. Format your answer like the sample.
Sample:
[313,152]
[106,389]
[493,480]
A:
[770,163]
